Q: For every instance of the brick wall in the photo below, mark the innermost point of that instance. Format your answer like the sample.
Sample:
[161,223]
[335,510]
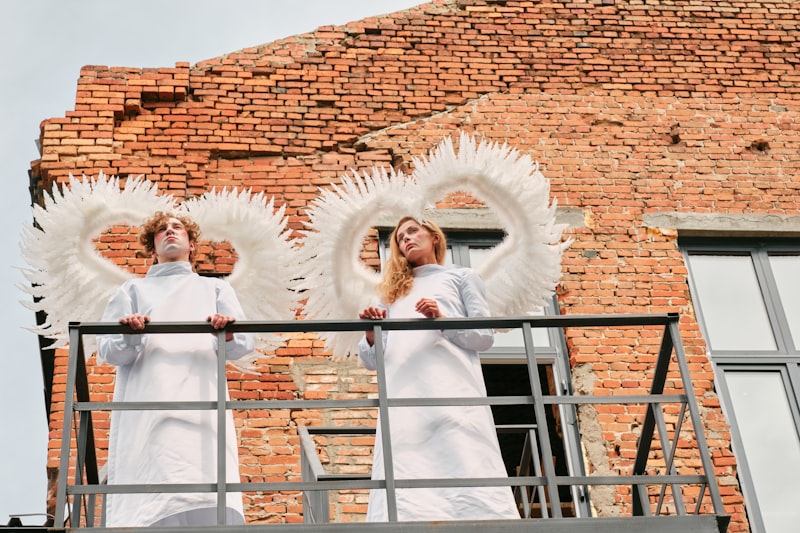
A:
[631,107]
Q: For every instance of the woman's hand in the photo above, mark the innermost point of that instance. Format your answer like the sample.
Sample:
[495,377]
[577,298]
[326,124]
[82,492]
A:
[429,308]
[372,313]
[135,321]
[219,321]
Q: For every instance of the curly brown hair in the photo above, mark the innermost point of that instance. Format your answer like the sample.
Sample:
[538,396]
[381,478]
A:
[148,230]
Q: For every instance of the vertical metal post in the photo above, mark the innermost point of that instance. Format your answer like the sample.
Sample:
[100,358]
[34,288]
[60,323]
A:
[694,414]
[383,416]
[306,475]
[222,388]
[669,458]
[72,368]
[569,424]
[86,461]
[521,491]
[318,500]
[541,421]
[537,468]
[315,502]
[80,447]
[641,503]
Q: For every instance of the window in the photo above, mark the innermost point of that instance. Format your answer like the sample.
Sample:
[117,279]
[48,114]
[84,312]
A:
[505,374]
[747,298]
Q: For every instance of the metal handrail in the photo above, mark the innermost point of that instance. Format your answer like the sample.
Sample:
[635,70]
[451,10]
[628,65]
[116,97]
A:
[315,483]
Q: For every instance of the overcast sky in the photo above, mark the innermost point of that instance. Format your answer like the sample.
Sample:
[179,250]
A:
[45,43]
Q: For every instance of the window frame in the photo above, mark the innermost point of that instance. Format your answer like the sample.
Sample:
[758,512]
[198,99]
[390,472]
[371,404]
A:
[785,359]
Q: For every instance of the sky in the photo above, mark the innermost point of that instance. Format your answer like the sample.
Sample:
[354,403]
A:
[45,43]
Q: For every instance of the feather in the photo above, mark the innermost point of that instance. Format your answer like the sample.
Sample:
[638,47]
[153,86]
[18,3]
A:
[520,273]
[335,282]
[69,279]
[266,260]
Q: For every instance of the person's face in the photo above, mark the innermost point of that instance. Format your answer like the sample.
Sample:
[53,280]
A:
[171,242]
[416,243]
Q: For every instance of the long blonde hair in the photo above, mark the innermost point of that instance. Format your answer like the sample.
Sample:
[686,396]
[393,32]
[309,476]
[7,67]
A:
[397,277]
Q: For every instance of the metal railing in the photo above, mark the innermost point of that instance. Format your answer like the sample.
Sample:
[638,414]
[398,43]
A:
[544,485]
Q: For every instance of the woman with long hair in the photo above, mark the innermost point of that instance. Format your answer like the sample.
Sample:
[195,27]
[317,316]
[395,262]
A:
[434,441]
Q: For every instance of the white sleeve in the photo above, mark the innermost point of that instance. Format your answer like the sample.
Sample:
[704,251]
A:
[228,304]
[118,348]
[473,296]
[367,353]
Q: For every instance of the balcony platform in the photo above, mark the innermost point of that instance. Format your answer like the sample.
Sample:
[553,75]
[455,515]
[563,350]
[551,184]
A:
[651,524]
[652,488]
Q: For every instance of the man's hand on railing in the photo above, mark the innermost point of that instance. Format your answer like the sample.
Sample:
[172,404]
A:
[135,321]
[219,321]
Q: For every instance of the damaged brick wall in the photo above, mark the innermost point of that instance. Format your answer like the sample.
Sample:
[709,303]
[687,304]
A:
[631,107]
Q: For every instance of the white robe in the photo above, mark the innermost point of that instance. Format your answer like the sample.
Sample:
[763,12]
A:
[175,446]
[439,442]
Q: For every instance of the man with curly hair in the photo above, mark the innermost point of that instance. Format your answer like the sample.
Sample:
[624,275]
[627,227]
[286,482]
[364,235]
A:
[174,446]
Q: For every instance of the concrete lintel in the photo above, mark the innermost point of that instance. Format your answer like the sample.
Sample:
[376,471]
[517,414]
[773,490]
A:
[726,224]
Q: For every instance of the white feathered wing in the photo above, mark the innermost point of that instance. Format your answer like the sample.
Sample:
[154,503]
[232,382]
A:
[69,279]
[522,271]
[266,259]
[333,279]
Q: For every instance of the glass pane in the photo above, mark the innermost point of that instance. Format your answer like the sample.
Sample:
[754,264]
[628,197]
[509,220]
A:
[771,444]
[785,269]
[478,255]
[733,309]
[511,338]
